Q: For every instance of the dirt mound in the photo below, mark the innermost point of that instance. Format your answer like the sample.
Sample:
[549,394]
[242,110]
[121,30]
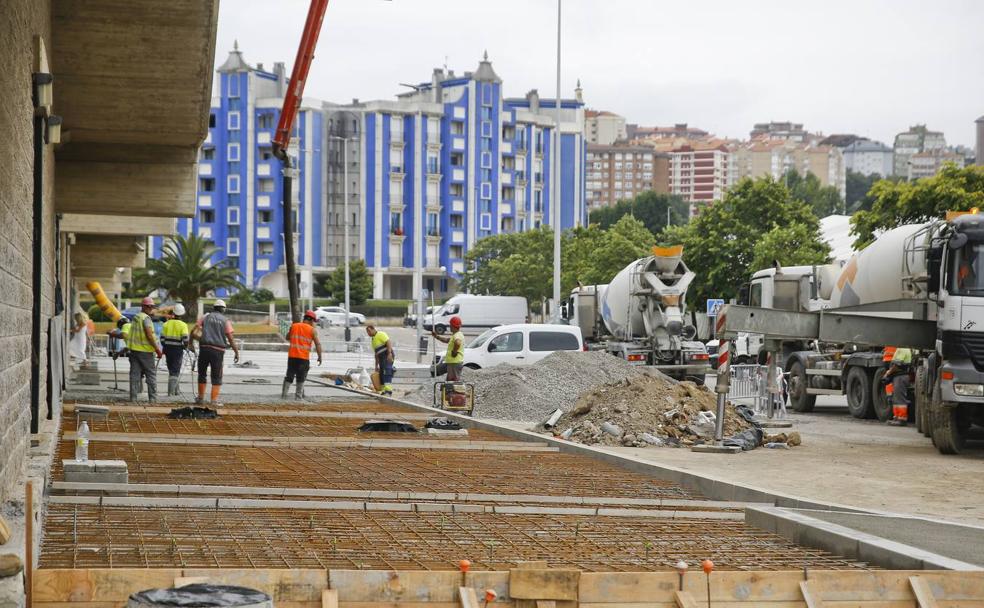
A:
[531,393]
[647,410]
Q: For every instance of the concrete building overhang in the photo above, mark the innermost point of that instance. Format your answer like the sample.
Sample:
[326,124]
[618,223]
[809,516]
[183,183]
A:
[133,85]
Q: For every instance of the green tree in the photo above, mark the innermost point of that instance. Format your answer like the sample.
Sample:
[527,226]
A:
[360,283]
[647,207]
[824,200]
[727,241]
[898,203]
[858,185]
[185,271]
[624,242]
[251,296]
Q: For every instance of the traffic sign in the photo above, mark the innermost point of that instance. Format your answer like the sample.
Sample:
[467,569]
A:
[714,306]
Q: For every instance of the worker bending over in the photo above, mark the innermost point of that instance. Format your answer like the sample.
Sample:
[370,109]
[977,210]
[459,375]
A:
[214,331]
[898,372]
[383,353]
[142,343]
[174,335]
[454,359]
[301,337]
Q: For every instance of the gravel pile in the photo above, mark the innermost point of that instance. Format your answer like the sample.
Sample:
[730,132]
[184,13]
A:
[531,393]
[645,411]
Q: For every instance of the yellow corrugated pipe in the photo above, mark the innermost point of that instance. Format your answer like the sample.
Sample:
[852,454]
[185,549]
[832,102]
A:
[104,303]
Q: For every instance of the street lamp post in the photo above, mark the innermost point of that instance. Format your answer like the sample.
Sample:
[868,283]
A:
[345,224]
[555,202]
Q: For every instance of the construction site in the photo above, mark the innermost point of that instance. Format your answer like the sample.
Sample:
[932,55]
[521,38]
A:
[584,484]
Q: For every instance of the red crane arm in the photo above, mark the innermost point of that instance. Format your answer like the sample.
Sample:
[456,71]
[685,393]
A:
[298,76]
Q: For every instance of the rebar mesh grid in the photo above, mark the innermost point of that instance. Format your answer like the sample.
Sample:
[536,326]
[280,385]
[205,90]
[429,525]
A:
[394,469]
[118,537]
[230,425]
[367,404]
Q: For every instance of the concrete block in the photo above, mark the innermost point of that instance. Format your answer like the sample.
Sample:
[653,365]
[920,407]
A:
[384,495]
[87,378]
[446,433]
[110,466]
[460,508]
[78,466]
[433,507]
[888,554]
[389,506]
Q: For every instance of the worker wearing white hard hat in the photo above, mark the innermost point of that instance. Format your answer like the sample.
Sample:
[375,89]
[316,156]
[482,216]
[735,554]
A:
[142,342]
[174,337]
[214,331]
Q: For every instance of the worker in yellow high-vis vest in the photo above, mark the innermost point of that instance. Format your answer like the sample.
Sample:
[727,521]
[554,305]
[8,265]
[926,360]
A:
[142,343]
[454,358]
[174,335]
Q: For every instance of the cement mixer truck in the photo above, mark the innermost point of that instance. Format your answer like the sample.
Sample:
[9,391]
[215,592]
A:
[919,286]
[640,315]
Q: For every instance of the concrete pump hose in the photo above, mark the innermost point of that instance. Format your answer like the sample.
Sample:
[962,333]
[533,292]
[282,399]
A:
[103,302]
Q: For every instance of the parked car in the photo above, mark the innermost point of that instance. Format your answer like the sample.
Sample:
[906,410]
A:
[335,315]
[521,344]
[479,312]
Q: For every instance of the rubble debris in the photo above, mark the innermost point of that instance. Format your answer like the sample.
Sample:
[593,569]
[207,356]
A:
[651,410]
[531,393]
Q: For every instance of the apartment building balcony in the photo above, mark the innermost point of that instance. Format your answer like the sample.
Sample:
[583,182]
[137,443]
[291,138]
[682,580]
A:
[396,171]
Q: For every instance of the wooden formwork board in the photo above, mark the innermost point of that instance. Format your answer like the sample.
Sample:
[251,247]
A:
[104,588]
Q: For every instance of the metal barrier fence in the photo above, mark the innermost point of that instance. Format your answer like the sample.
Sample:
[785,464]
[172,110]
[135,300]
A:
[751,383]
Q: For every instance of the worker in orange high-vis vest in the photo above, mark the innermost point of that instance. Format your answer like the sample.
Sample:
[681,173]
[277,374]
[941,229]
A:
[898,376]
[302,336]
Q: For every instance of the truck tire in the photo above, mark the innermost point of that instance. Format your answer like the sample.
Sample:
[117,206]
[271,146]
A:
[882,405]
[858,390]
[799,400]
[921,403]
[949,435]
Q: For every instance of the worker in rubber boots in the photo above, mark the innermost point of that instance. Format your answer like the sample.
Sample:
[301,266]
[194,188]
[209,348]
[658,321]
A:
[454,359]
[301,337]
[382,349]
[142,344]
[214,331]
[898,374]
[174,335]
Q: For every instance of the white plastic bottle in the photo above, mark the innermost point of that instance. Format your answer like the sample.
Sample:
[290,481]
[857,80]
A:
[82,442]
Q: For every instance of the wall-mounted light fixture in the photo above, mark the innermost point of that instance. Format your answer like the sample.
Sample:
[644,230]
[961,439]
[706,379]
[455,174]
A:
[43,94]
[54,129]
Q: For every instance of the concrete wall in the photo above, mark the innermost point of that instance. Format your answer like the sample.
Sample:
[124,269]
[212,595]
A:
[21,22]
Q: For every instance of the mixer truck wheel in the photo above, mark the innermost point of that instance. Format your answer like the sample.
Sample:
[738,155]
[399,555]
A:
[799,400]
[921,402]
[858,389]
[881,401]
[949,429]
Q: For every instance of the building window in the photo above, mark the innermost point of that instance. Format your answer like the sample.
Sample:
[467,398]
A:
[456,252]
[432,165]
[265,217]
[232,183]
[486,191]
[457,221]
[486,143]
[232,216]
[233,152]
[233,121]
[233,85]
[265,185]
[208,153]
[206,216]
[266,153]
[265,248]
[486,114]
[486,160]
[457,159]
[211,121]
[486,129]
[264,121]
[232,247]
[206,184]
[487,94]
[396,223]
[433,227]
[457,127]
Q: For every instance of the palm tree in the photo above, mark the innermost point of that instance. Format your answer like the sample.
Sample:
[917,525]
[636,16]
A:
[185,271]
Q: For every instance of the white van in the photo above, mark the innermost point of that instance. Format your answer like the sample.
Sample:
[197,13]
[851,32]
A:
[478,312]
[521,344]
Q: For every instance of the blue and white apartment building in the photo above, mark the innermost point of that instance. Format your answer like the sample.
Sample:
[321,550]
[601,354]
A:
[429,174]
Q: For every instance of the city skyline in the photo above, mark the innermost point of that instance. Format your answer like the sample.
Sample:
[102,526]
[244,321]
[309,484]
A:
[727,80]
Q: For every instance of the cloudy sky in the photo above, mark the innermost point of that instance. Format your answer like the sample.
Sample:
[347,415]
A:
[871,67]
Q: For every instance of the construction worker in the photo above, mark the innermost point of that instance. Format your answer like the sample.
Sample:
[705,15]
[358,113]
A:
[142,343]
[454,359]
[301,337]
[174,336]
[898,374]
[383,353]
[116,345]
[214,331]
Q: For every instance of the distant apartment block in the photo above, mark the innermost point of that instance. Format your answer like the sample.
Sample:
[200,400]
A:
[787,131]
[677,131]
[916,140]
[869,158]
[979,123]
[774,157]
[928,164]
[700,172]
[603,128]
[621,172]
